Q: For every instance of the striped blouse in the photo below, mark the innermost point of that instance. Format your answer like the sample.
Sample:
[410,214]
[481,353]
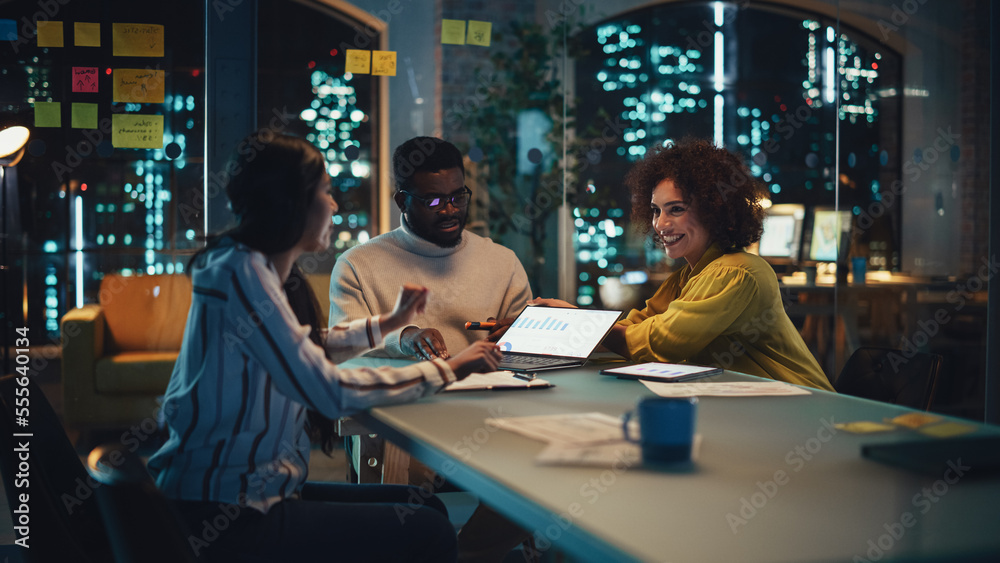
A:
[247,372]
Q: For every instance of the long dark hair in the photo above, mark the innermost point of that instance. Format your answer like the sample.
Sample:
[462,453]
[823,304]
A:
[272,181]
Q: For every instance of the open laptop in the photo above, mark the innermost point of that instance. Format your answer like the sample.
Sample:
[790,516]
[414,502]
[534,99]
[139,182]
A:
[543,338]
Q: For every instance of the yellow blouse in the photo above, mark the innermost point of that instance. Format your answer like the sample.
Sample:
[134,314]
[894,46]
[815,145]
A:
[726,312]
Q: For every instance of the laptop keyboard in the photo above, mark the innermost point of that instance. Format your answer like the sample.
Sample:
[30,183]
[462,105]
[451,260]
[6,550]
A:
[514,358]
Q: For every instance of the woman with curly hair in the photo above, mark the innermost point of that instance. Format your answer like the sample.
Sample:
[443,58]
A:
[723,307]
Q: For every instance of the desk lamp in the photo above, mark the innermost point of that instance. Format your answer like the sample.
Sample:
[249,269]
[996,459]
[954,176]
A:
[12,141]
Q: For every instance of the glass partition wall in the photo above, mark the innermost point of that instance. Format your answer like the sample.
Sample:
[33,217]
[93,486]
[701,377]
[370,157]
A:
[865,121]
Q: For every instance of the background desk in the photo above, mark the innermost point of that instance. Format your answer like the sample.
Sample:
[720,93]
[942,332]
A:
[831,505]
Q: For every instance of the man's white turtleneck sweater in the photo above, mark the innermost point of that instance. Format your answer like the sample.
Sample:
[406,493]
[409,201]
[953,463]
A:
[472,281]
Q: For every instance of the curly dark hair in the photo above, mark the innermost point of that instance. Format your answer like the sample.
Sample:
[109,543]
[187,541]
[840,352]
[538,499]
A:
[722,191]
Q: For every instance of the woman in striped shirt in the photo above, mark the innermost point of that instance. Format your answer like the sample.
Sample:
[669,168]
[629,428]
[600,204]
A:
[255,375]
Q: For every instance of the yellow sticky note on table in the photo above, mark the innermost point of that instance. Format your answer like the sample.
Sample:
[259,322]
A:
[947,429]
[914,419]
[136,40]
[84,116]
[384,63]
[140,86]
[133,131]
[479,33]
[358,61]
[50,34]
[86,34]
[48,114]
[453,32]
[864,427]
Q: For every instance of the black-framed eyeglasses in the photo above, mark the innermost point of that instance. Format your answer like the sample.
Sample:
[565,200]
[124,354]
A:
[459,199]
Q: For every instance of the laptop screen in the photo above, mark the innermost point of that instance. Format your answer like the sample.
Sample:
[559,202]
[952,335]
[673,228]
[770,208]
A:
[557,331]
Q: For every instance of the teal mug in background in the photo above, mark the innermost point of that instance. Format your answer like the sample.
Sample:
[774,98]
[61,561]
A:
[666,428]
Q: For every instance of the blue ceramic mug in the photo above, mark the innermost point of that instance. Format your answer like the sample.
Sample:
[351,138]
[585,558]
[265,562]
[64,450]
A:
[666,427]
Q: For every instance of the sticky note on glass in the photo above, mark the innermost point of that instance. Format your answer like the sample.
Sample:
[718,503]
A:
[85,79]
[358,61]
[132,131]
[48,114]
[86,34]
[384,63]
[947,429]
[136,40]
[138,86]
[8,30]
[453,32]
[479,33]
[50,34]
[84,116]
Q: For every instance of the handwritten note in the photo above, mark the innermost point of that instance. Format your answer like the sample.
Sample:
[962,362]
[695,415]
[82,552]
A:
[384,63]
[453,32]
[87,34]
[479,33]
[136,40]
[131,131]
[48,114]
[8,30]
[85,79]
[140,86]
[358,61]
[84,116]
[50,34]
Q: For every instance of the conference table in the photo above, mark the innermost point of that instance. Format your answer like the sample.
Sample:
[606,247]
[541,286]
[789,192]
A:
[774,479]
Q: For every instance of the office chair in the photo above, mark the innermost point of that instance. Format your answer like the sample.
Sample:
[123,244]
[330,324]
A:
[64,520]
[891,376]
[142,526]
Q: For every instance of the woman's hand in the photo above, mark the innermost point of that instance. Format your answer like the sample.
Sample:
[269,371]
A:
[544,302]
[423,343]
[480,357]
[409,303]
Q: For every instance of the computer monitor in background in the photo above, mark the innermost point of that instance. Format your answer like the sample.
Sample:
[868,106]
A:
[779,244]
[829,234]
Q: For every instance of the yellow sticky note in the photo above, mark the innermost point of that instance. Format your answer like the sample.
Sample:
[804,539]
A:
[84,116]
[384,63]
[358,61]
[453,32]
[479,33]
[864,427]
[140,86]
[48,114]
[50,34]
[132,131]
[136,40]
[914,419]
[87,34]
[947,429]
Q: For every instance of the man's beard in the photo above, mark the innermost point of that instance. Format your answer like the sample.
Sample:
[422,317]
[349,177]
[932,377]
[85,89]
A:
[438,238]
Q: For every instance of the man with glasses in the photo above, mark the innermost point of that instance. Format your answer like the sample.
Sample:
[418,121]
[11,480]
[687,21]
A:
[470,277]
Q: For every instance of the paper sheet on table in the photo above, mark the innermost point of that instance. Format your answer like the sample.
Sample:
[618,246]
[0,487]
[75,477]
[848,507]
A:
[495,380]
[571,428]
[618,455]
[605,454]
[724,389]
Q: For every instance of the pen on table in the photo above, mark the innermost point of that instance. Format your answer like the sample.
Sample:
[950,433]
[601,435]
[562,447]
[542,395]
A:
[524,376]
[484,325]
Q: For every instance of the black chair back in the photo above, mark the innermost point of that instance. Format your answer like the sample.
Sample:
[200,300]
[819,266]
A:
[142,524]
[65,522]
[891,376]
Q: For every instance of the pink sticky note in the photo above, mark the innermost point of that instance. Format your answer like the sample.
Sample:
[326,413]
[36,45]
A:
[85,79]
